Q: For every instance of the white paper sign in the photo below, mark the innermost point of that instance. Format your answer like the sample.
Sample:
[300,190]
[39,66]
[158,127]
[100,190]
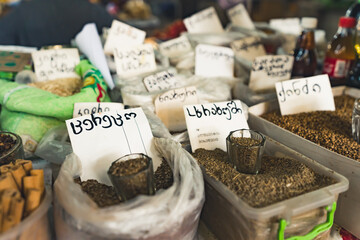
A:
[100,139]
[161,81]
[214,61]
[134,60]
[239,16]
[175,47]
[267,70]
[121,34]
[209,124]
[86,108]
[305,95]
[286,25]
[55,63]
[169,107]
[248,48]
[205,21]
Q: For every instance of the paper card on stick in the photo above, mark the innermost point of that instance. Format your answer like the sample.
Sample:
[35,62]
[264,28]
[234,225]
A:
[169,107]
[175,47]
[239,16]
[14,61]
[55,63]
[121,35]
[209,124]
[134,60]
[248,48]
[100,139]
[86,108]
[161,81]
[305,95]
[214,61]
[267,70]
[205,21]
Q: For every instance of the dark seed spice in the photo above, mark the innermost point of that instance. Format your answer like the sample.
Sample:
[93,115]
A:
[129,167]
[7,142]
[105,196]
[245,157]
[279,178]
[331,130]
[163,176]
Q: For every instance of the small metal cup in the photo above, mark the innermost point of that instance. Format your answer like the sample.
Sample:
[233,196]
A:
[356,121]
[141,182]
[245,158]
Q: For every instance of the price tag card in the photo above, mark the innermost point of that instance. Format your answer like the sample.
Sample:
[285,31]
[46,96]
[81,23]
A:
[121,34]
[100,139]
[267,70]
[169,107]
[175,47]
[209,124]
[86,108]
[286,25]
[55,63]
[248,48]
[161,81]
[134,60]
[239,16]
[214,61]
[305,95]
[205,21]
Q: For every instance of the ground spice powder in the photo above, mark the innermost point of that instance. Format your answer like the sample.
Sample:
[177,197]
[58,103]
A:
[328,129]
[279,178]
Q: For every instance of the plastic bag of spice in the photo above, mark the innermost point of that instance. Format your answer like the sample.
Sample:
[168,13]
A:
[30,111]
[169,214]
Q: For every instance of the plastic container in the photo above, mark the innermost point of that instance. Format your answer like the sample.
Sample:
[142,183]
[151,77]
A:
[229,217]
[33,227]
[16,152]
[348,211]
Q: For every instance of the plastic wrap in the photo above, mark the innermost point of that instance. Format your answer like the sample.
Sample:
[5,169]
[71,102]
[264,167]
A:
[169,214]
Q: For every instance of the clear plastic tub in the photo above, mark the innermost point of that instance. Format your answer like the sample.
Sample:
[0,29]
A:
[347,215]
[309,214]
[33,227]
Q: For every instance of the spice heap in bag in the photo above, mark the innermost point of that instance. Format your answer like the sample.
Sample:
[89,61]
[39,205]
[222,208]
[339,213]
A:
[21,191]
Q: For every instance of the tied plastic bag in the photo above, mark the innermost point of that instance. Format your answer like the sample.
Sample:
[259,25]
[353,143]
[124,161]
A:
[30,112]
[169,214]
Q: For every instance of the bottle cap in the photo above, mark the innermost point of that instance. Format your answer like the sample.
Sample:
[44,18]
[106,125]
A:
[309,22]
[347,22]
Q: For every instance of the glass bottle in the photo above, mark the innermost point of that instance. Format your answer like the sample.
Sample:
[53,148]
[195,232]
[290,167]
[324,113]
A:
[354,10]
[340,52]
[356,121]
[304,53]
[354,73]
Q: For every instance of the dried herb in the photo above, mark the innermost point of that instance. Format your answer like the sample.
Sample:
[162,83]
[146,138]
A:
[7,142]
[279,178]
[129,167]
[330,129]
[163,176]
[245,156]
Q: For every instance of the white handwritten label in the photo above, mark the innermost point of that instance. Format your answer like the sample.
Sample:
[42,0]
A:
[169,107]
[239,16]
[248,48]
[267,70]
[55,63]
[175,47]
[205,21]
[305,95]
[286,25]
[87,108]
[134,60]
[121,34]
[100,139]
[214,61]
[209,124]
[161,81]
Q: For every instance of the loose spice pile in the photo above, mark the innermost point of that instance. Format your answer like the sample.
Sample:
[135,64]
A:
[7,142]
[105,196]
[279,178]
[331,130]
